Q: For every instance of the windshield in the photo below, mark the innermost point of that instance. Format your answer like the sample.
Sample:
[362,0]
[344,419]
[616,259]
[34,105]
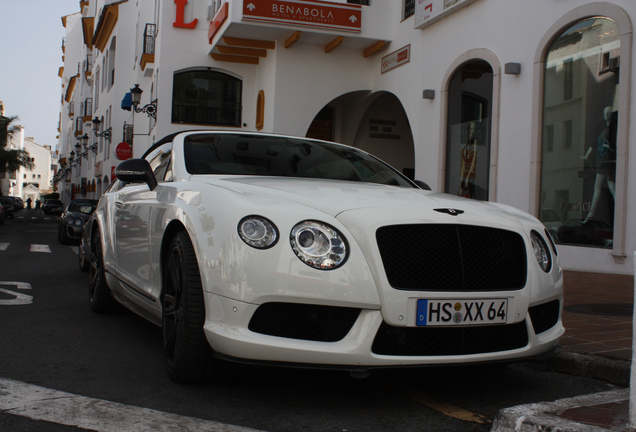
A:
[82,206]
[284,157]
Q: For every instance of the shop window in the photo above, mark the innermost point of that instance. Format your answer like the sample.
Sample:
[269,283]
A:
[468,134]
[578,168]
[206,97]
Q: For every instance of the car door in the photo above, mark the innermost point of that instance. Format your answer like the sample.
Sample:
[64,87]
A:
[137,240]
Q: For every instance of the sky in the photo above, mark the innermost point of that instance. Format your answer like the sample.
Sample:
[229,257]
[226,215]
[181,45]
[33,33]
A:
[31,33]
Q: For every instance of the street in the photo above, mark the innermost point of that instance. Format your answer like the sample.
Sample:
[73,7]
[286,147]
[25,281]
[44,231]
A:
[50,338]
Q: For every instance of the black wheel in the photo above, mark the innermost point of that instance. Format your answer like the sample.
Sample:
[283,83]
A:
[188,355]
[98,291]
[84,264]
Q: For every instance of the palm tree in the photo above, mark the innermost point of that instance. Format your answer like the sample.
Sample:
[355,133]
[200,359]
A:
[11,159]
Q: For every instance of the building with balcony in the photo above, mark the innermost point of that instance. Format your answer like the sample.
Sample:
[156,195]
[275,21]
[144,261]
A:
[514,102]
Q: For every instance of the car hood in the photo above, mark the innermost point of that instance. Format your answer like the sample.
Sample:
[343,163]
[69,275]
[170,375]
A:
[347,200]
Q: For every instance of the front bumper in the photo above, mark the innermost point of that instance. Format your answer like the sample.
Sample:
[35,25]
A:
[370,342]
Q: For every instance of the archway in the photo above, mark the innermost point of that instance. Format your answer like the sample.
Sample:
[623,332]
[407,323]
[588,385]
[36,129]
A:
[374,122]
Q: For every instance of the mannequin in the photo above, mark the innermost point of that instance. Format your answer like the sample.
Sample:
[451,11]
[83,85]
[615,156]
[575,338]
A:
[605,166]
[468,162]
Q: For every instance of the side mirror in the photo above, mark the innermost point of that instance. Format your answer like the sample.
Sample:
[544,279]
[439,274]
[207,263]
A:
[136,171]
[422,185]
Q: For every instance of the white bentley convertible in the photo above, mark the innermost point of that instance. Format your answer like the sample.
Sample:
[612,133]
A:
[272,249]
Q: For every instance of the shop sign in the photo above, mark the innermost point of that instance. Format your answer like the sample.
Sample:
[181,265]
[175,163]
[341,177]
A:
[428,12]
[123,151]
[179,19]
[396,58]
[324,15]
[383,129]
[98,168]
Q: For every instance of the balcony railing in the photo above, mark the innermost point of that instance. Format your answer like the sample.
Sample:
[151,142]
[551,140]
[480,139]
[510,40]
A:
[149,38]
[409,8]
[148,55]
[88,109]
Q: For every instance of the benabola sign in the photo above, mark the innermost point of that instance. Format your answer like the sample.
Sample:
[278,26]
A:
[319,14]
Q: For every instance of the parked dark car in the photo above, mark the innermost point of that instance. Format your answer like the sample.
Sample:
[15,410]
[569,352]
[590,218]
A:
[9,207]
[73,218]
[52,206]
[17,203]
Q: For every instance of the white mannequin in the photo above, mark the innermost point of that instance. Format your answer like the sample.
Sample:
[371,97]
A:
[602,176]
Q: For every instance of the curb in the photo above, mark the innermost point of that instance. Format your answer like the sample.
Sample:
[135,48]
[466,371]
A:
[613,371]
[544,416]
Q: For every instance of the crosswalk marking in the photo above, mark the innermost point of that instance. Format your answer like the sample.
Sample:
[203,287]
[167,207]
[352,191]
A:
[4,246]
[40,248]
[39,403]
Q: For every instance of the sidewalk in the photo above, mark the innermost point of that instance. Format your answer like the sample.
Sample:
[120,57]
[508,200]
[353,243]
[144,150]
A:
[597,316]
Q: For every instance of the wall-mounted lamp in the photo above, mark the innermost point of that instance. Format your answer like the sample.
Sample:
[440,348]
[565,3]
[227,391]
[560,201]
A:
[150,109]
[512,68]
[428,94]
[107,134]
[92,147]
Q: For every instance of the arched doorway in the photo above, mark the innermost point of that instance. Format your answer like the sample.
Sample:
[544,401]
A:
[374,122]
[470,104]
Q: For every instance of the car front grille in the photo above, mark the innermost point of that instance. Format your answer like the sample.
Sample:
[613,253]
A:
[545,316]
[304,321]
[449,341]
[440,257]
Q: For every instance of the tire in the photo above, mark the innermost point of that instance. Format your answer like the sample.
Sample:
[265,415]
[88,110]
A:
[187,353]
[98,291]
[84,264]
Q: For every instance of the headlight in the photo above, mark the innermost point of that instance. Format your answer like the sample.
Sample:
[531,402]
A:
[318,245]
[541,251]
[258,232]
[77,222]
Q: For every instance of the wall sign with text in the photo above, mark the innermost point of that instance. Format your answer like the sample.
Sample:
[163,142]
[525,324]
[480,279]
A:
[428,12]
[318,14]
[395,59]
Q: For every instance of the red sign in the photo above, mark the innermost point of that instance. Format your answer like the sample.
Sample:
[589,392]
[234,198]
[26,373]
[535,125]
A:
[113,177]
[217,21]
[123,151]
[326,15]
[181,4]
[396,58]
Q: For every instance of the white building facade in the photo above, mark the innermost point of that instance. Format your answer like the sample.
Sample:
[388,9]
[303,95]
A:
[517,102]
[33,182]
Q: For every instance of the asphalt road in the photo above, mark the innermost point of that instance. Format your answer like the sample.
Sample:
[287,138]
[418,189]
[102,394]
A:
[53,340]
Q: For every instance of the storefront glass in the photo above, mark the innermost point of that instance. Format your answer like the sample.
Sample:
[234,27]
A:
[579,134]
[469,115]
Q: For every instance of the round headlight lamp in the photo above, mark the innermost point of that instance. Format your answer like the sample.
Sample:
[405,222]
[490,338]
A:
[258,232]
[77,222]
[318,245]
[541,251]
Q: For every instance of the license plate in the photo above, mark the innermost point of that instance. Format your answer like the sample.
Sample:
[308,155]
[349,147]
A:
[461,312]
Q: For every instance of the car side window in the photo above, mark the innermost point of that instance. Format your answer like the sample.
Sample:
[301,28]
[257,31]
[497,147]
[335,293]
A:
[160,161]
